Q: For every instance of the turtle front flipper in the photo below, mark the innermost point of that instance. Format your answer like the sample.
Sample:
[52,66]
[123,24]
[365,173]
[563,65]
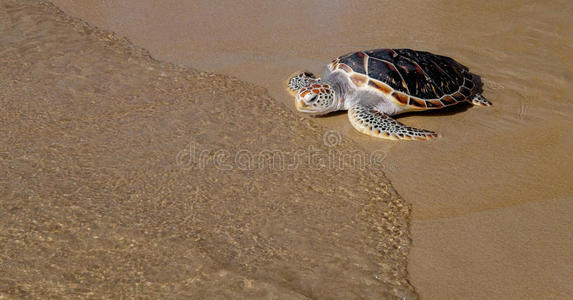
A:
[371,121]
[301,80]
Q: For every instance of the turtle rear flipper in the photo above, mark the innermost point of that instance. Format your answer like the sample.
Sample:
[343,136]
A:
[480,100]
[371,121]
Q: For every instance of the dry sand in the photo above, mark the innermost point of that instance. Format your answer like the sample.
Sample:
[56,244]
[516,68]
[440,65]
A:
[104,193]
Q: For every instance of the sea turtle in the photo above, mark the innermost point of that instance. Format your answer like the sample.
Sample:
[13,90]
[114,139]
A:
[376,84]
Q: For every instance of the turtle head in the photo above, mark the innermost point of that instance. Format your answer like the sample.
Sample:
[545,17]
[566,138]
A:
[315,99]
[313,96]
[300,81]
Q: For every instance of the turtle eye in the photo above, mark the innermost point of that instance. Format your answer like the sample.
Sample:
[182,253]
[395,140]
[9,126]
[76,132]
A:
[313,98]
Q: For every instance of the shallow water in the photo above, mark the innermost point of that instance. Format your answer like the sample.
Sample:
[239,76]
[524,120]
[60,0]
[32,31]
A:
[121,178]
[487,159]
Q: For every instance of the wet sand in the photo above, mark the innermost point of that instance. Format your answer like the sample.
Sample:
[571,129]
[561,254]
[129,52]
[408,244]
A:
[121,179]
[489,197]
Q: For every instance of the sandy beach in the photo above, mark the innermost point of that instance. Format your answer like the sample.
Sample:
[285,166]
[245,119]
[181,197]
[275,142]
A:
[490,199]
[125,177]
